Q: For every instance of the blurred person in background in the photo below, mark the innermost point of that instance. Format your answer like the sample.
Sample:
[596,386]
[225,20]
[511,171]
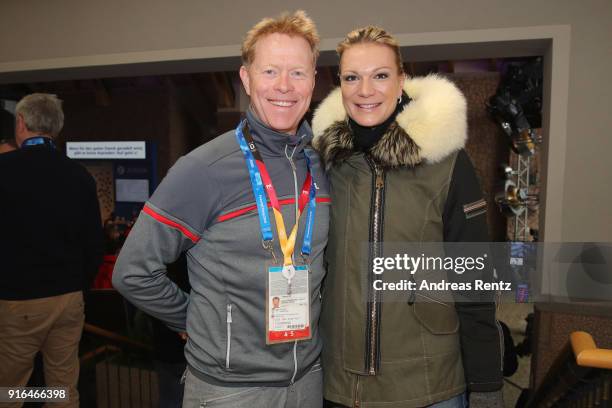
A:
[51,245]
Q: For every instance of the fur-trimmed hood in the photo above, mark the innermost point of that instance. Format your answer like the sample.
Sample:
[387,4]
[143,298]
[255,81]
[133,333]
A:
[431,127]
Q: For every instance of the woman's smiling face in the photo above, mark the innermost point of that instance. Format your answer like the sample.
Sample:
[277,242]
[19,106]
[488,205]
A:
[370,82]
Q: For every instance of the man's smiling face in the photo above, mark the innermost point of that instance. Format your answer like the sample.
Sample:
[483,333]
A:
[280,81]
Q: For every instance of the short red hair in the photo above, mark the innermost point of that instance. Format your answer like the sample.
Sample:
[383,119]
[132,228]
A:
[296,24]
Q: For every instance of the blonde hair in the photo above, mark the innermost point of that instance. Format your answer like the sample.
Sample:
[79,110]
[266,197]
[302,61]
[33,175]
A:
[41,113]
[371,34]
[296,24]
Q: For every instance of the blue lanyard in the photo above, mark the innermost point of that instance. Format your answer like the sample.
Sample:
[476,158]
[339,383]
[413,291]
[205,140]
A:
[260,195]
[258,188]
[38,140]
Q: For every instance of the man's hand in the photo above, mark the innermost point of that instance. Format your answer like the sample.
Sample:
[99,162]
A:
[183,336]
[486,399]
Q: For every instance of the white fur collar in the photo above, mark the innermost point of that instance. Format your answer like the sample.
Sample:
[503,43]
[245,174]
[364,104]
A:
[435,119]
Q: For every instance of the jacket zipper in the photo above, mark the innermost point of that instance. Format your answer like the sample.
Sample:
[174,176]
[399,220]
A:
[229,335]
[295,185]
[376,235]
[295,182]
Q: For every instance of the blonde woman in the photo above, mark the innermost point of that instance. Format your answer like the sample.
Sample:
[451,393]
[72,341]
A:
[393,148]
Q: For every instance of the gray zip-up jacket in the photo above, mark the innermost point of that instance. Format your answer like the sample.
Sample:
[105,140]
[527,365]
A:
[205,207]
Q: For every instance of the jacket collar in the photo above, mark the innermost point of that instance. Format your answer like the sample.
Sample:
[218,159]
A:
[272,143]
[430,128]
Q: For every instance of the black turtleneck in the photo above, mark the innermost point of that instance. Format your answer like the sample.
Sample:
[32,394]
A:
[364,137]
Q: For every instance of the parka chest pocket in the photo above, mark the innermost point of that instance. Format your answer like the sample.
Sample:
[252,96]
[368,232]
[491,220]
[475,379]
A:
[436,316]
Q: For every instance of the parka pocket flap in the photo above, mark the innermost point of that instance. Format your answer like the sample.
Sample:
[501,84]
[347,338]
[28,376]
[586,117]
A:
[436,316]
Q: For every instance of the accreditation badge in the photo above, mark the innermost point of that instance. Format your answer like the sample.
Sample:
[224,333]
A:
[288,304]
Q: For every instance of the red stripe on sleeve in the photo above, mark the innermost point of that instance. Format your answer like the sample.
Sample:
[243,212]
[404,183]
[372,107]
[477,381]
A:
[171,223]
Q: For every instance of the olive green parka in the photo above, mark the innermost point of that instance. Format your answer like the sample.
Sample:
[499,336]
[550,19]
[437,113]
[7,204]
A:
[416,184]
